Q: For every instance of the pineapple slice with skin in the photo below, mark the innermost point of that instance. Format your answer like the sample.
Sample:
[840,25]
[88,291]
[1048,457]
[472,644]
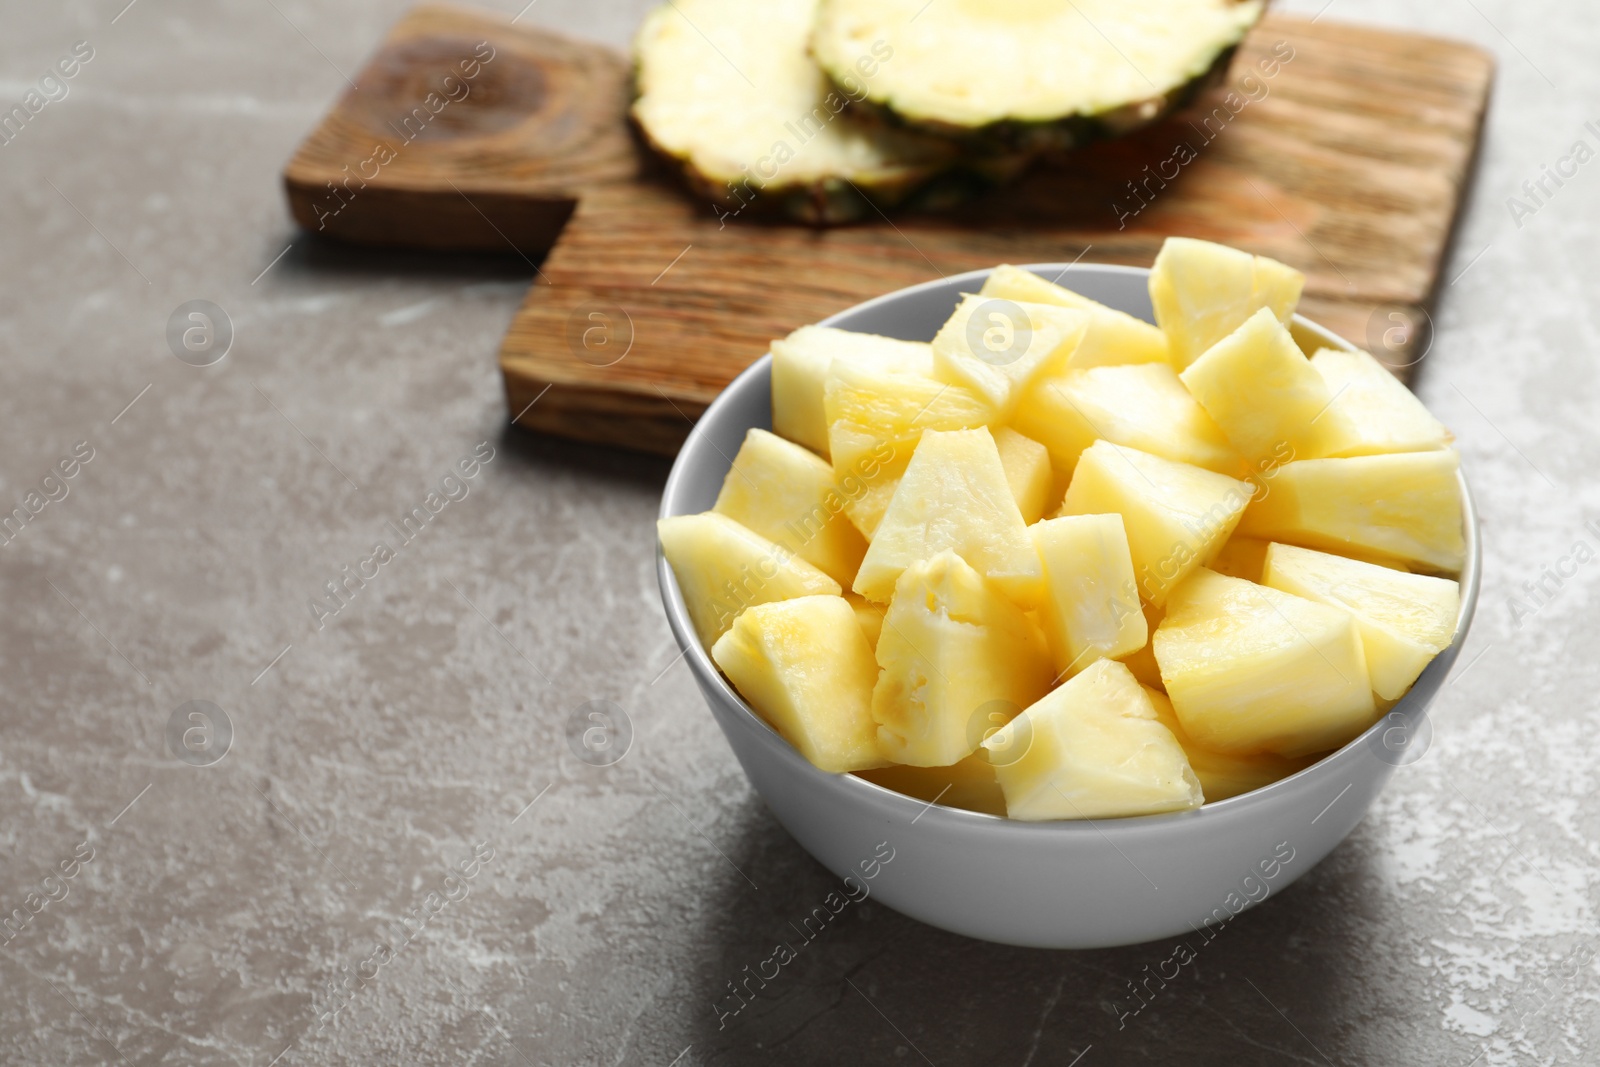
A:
[1142,405]
[869,615]
[1405,619]
[1251,669]
[875,419]
[958,658]
[800,364]
[788,495]
[1112,336]
[1091,608]
[1271,403]
[1028,472]
[999,348]
[1092,749]
[954,495]
[805,667]
[1222,775]
[1381,414]
[723,568]
[1404,505]
[1177,516]
[1203,291]
[968,784]
[1242,557]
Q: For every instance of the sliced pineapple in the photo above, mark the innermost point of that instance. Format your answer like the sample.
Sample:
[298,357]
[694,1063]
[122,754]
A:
[805,667]
[999,348]
[1112,336]
[956,656]
[1381,414]
[1251,669]
[875,419]
[1405,619]
[1223,775]
[1242,557]
[788,495]
[800,365]
[1142,661]
[968,784]
[1028,472]
[1143,406]
[954,495]
[1177,516]
[1091,609]
[869,615]
[1406,505]
[723,568]
[1270,402]
[1202,292]
[1092,749]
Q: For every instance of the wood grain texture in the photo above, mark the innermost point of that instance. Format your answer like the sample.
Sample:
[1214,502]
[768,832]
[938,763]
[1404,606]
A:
[465,132]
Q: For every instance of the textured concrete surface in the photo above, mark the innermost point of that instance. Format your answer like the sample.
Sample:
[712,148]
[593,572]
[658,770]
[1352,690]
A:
[381,768]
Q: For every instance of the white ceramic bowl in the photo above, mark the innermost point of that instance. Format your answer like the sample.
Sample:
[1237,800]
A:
[1054,884]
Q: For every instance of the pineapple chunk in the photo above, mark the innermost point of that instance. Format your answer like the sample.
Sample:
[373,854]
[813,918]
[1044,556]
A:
[1142,661]
[1381,413]
[1092,749]
[1405,619]
[1143,406]
[1091,610]
[1202,292]
[805,667]
[998,348]
[1222,775]
[954,495]
[1251,669]
[969,784]
[1177,516]
[1406,505]
[1242,557]
[955,653]
[723,568]
[1028,472]
[875,419]
[788,495]
[869,615]
[1270,402]
[1112,336]
[800,365]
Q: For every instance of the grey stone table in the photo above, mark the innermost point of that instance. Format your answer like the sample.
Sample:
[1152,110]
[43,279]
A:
[399,771]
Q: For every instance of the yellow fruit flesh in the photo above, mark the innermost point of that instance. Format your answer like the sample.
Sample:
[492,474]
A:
[969,784]
[1251,669]
[1028,472]
[1091,607]
[805,667]
[1176,516]
[954,495]
[1381,414]
[800,364]
[1223,775]
[1092,749]
[1405,619]
[999,348]
[955,655]
[788,495]
[1203,291]
[868,615]
[1406,505]
[1241,557]
[1112,336]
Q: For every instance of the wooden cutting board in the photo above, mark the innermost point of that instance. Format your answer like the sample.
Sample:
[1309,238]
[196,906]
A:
[1350,166]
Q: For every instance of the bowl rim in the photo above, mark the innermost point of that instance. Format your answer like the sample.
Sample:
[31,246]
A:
[710,677]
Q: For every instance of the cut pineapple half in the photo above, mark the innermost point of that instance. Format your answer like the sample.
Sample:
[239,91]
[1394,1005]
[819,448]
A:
[1381,414]
[805,667]
[1091,608]
[1028,472]
[1047,73]
[788,495]
[875,419]
[1405,619]
[969,784]
[726,90]
[954,495]
[1092,749]
[800,365]
[958,659]
[1202,292]
[723,568]
[1252,669]
[1177,516]
[1406,505]
[1112,336]
[999,348]
[1223,775]
[1143,406]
